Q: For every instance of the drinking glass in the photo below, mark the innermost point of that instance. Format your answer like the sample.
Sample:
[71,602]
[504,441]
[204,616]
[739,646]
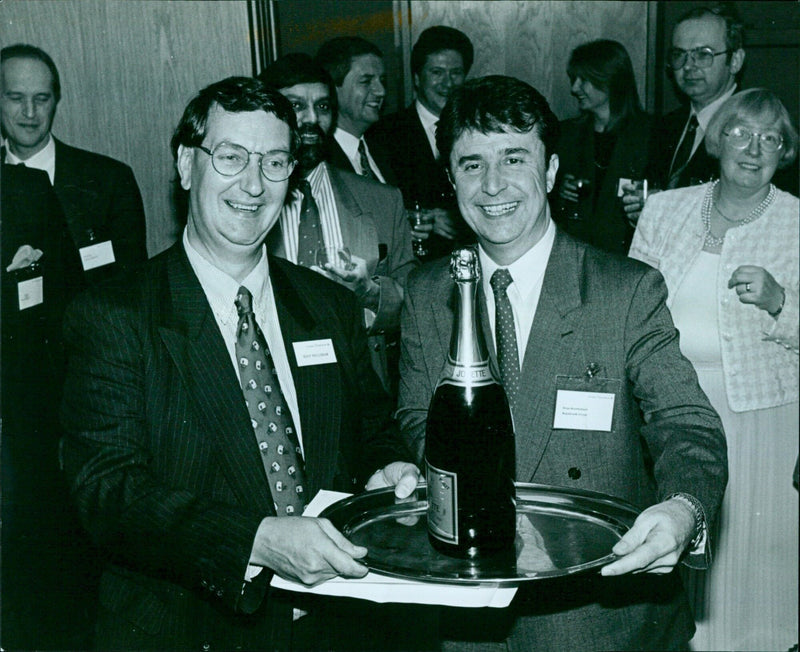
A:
[584,189]
[419,217]
[334,257]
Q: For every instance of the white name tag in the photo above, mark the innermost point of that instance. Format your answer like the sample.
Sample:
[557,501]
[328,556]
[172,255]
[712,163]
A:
[583,410]
[97,255]
[31,292]
[314,352]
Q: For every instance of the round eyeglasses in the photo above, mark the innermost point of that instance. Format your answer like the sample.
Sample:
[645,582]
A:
[701,57]
[740,138]
[229,159]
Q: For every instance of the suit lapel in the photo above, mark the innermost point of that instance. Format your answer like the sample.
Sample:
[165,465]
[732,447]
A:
[320,411]
[358,228]
[549,346]
[190,334]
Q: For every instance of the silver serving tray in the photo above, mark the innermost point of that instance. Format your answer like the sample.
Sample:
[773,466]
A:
[559,532]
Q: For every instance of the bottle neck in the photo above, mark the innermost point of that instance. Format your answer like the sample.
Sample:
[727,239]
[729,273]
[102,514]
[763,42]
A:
[467,347]
[468,360]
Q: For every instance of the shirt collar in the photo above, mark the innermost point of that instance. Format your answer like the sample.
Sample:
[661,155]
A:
[44,159]
[221,289]
[347,141]
[528,270]
[705,114]
[427,118]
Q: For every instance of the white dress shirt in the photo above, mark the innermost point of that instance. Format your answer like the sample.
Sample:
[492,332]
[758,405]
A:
[703,118]
[349,144]
[221,290]
[44,159]
[527,273]
[428,121]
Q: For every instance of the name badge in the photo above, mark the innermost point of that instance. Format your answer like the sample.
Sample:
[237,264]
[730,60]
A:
[97,255]
[314,352]
[31,292]
[577,410]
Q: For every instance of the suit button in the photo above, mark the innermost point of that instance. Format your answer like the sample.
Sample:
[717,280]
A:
[574,473]
[376,347]
[206,646]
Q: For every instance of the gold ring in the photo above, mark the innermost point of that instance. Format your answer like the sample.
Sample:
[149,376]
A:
[747,287]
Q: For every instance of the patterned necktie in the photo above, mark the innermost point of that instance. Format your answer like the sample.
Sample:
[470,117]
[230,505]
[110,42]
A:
[683,153]
[309,230]
[366,170]
[269,415]
[505,335]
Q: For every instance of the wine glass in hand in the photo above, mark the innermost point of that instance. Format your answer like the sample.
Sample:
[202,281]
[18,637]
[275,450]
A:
[422,220]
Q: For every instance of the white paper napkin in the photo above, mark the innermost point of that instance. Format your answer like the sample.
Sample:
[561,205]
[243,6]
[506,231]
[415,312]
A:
[382,588]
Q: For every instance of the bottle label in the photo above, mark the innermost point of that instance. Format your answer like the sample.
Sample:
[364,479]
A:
[442,503]
[466,376]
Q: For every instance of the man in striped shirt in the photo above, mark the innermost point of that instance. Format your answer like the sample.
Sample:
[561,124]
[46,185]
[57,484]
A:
[331,208]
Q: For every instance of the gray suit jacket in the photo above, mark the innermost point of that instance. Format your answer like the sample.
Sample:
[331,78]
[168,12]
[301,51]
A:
[373,224]
[665,437]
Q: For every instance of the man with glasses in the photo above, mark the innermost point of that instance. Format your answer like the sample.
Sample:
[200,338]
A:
[211,394]
[335,208]
[705,58]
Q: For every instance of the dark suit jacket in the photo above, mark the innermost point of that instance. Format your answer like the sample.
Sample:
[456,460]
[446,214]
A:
[339,159]
[372,220]
[603,223]
[41,543]
[100,194]
[665,438]
[161,456]
[420,177]
[667,132]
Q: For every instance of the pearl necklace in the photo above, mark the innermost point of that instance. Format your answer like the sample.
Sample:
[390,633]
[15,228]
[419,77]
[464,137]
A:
[708,201]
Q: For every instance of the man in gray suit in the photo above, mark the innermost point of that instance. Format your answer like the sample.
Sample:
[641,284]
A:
[348,210]
[586,323]
[196,428]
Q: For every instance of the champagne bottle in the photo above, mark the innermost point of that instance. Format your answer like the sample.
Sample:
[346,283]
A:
[469,439]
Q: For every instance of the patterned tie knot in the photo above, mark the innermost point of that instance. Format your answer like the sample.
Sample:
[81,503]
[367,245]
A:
[500,280]
[244,301]
[305,188]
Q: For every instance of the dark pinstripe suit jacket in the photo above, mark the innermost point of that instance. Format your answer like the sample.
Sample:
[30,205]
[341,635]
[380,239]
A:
[162,461]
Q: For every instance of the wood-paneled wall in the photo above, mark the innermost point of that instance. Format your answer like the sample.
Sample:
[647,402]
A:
[128,68]
[533,40]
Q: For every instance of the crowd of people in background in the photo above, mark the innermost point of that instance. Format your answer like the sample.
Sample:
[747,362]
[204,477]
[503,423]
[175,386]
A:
[144,514]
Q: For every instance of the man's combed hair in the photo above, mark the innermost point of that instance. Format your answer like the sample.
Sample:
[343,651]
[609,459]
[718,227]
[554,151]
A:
[26,51]
[337,55]
[496,104]
[734,27]
[436,39]
[298,68]
[236,95]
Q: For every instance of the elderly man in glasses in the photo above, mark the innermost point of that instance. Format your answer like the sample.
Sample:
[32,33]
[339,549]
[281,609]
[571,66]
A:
[705,58]
[210,394]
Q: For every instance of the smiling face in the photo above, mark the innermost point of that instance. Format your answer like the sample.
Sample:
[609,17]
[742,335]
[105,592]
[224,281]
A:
[443,71]
[704,85]
[590,98]
[361,94]
[501,182]
[750,168]
[229,216]
[27,105]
